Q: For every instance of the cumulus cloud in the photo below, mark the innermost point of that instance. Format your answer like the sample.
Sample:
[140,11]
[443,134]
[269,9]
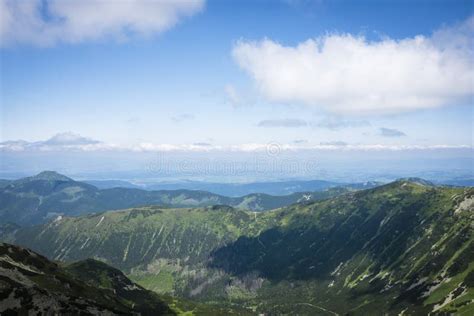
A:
[69,138]
[345,73]
[391,132]
[282,123]
[14,145]
[59,142]
[45,22]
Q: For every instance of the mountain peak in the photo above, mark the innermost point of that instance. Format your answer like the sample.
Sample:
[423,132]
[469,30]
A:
[418,181]
[405,183]
[50,176]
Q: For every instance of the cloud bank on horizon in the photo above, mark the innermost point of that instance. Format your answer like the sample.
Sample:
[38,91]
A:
[71,142]
[348,74]
[46,22]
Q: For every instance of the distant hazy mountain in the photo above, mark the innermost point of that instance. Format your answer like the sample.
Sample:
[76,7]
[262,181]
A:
[240,189]
[45,176]
[271,188]
[110,184]
[460,182]
[32,284]
[47,195]
[403,248]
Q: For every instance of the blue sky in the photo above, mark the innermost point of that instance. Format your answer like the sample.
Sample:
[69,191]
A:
[208,78]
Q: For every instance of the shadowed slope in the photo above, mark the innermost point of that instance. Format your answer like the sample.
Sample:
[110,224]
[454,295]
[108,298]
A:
[30,282]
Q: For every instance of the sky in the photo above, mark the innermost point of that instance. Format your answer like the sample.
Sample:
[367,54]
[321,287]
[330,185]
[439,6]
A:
[203,76]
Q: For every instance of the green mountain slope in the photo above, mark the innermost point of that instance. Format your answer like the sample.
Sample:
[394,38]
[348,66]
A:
[37,199]
[403,247]
[30,283]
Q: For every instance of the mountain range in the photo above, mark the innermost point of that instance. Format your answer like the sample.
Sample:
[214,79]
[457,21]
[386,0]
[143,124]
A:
[274,188]
[402,248]
[39,198]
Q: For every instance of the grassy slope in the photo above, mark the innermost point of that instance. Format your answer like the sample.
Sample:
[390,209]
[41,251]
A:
[355,253]
[403,246]
[31,282]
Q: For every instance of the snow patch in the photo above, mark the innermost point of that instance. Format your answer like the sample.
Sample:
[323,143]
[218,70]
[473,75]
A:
[85,243]
[336,271]
[417,283]
[100,221]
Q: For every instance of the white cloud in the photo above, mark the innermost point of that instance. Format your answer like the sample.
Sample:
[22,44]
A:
[69,138]
[60,142]
[45,22]
[349,74]
[202,144]
[69,142]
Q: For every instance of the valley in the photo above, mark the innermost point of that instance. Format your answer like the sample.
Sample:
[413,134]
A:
[402,247]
